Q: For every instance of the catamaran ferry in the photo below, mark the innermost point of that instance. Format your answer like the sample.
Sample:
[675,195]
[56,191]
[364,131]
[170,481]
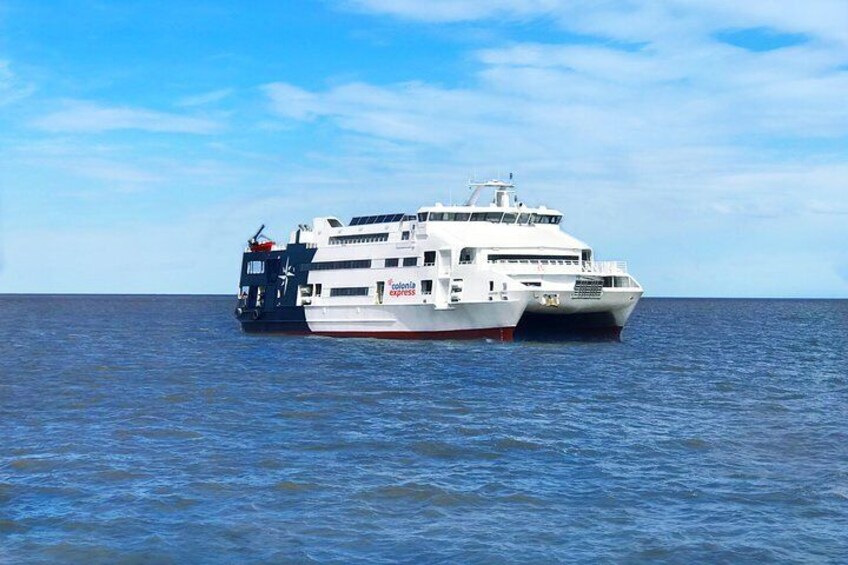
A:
[499,270]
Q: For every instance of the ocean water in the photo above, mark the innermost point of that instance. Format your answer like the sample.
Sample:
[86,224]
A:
[149,429]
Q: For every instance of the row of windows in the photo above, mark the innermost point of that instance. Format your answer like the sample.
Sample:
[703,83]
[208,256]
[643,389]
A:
[333,265]
[493,217]
[359,238]
[385,218]
[349,291]
[532,258]
[258,267]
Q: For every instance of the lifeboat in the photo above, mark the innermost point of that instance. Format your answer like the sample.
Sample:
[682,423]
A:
[265,245]
[260,242]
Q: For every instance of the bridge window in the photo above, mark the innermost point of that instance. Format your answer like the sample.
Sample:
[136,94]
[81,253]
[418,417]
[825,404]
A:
[478,217]
[494,217]
[546,219]
[422,216]
[410,261]
[255,267]
[523,218]
[509,218]
[391,262]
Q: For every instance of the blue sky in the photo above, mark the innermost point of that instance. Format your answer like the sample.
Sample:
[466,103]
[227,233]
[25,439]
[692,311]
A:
[142,142]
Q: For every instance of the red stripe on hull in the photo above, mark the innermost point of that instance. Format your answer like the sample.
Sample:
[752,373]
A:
[498,334]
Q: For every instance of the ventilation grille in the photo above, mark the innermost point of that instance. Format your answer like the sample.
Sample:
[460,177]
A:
[588,288]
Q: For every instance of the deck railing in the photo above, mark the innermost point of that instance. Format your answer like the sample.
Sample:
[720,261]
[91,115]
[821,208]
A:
[605,267]
[593,267]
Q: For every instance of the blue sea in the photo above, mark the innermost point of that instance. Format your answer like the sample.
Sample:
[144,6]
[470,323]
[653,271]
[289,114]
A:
[149,429]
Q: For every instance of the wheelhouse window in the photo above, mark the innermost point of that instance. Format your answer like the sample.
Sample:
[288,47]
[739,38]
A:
[391,262]
[478,217]
[546,219]
[449,216]
[523,218]
[494,217]
[509,218]
[422,216]
[255,267]
[410,261]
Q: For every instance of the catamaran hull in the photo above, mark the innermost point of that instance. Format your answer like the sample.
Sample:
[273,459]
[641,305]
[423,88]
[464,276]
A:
[500,321]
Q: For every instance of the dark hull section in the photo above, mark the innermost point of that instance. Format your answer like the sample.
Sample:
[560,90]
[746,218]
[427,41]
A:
[288,320]
[270,303]
[594,326]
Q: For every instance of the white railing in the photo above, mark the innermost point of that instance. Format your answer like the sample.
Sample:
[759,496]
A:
[594,267]
[536,262]
[356,241]
[605,267]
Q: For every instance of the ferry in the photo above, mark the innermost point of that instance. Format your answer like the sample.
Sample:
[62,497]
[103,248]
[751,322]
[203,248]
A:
[494,269]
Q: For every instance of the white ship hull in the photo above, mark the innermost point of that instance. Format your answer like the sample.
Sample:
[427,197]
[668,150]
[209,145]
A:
[418,321]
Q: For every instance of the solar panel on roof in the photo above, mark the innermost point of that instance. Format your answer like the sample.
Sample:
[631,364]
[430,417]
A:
[381,219]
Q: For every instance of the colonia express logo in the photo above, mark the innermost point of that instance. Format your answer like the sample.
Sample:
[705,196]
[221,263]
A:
[401,288]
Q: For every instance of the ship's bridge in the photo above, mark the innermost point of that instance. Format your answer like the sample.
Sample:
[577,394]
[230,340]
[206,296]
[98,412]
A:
[504,208]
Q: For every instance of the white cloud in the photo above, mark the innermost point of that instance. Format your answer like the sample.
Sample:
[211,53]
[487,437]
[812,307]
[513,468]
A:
[81,116]
[634,21]
[206,98]
[460,10]
[291,101]
[12,88]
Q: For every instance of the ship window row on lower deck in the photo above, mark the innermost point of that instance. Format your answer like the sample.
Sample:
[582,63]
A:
[359,238]
[334,265]
[349,291]
[356,264]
